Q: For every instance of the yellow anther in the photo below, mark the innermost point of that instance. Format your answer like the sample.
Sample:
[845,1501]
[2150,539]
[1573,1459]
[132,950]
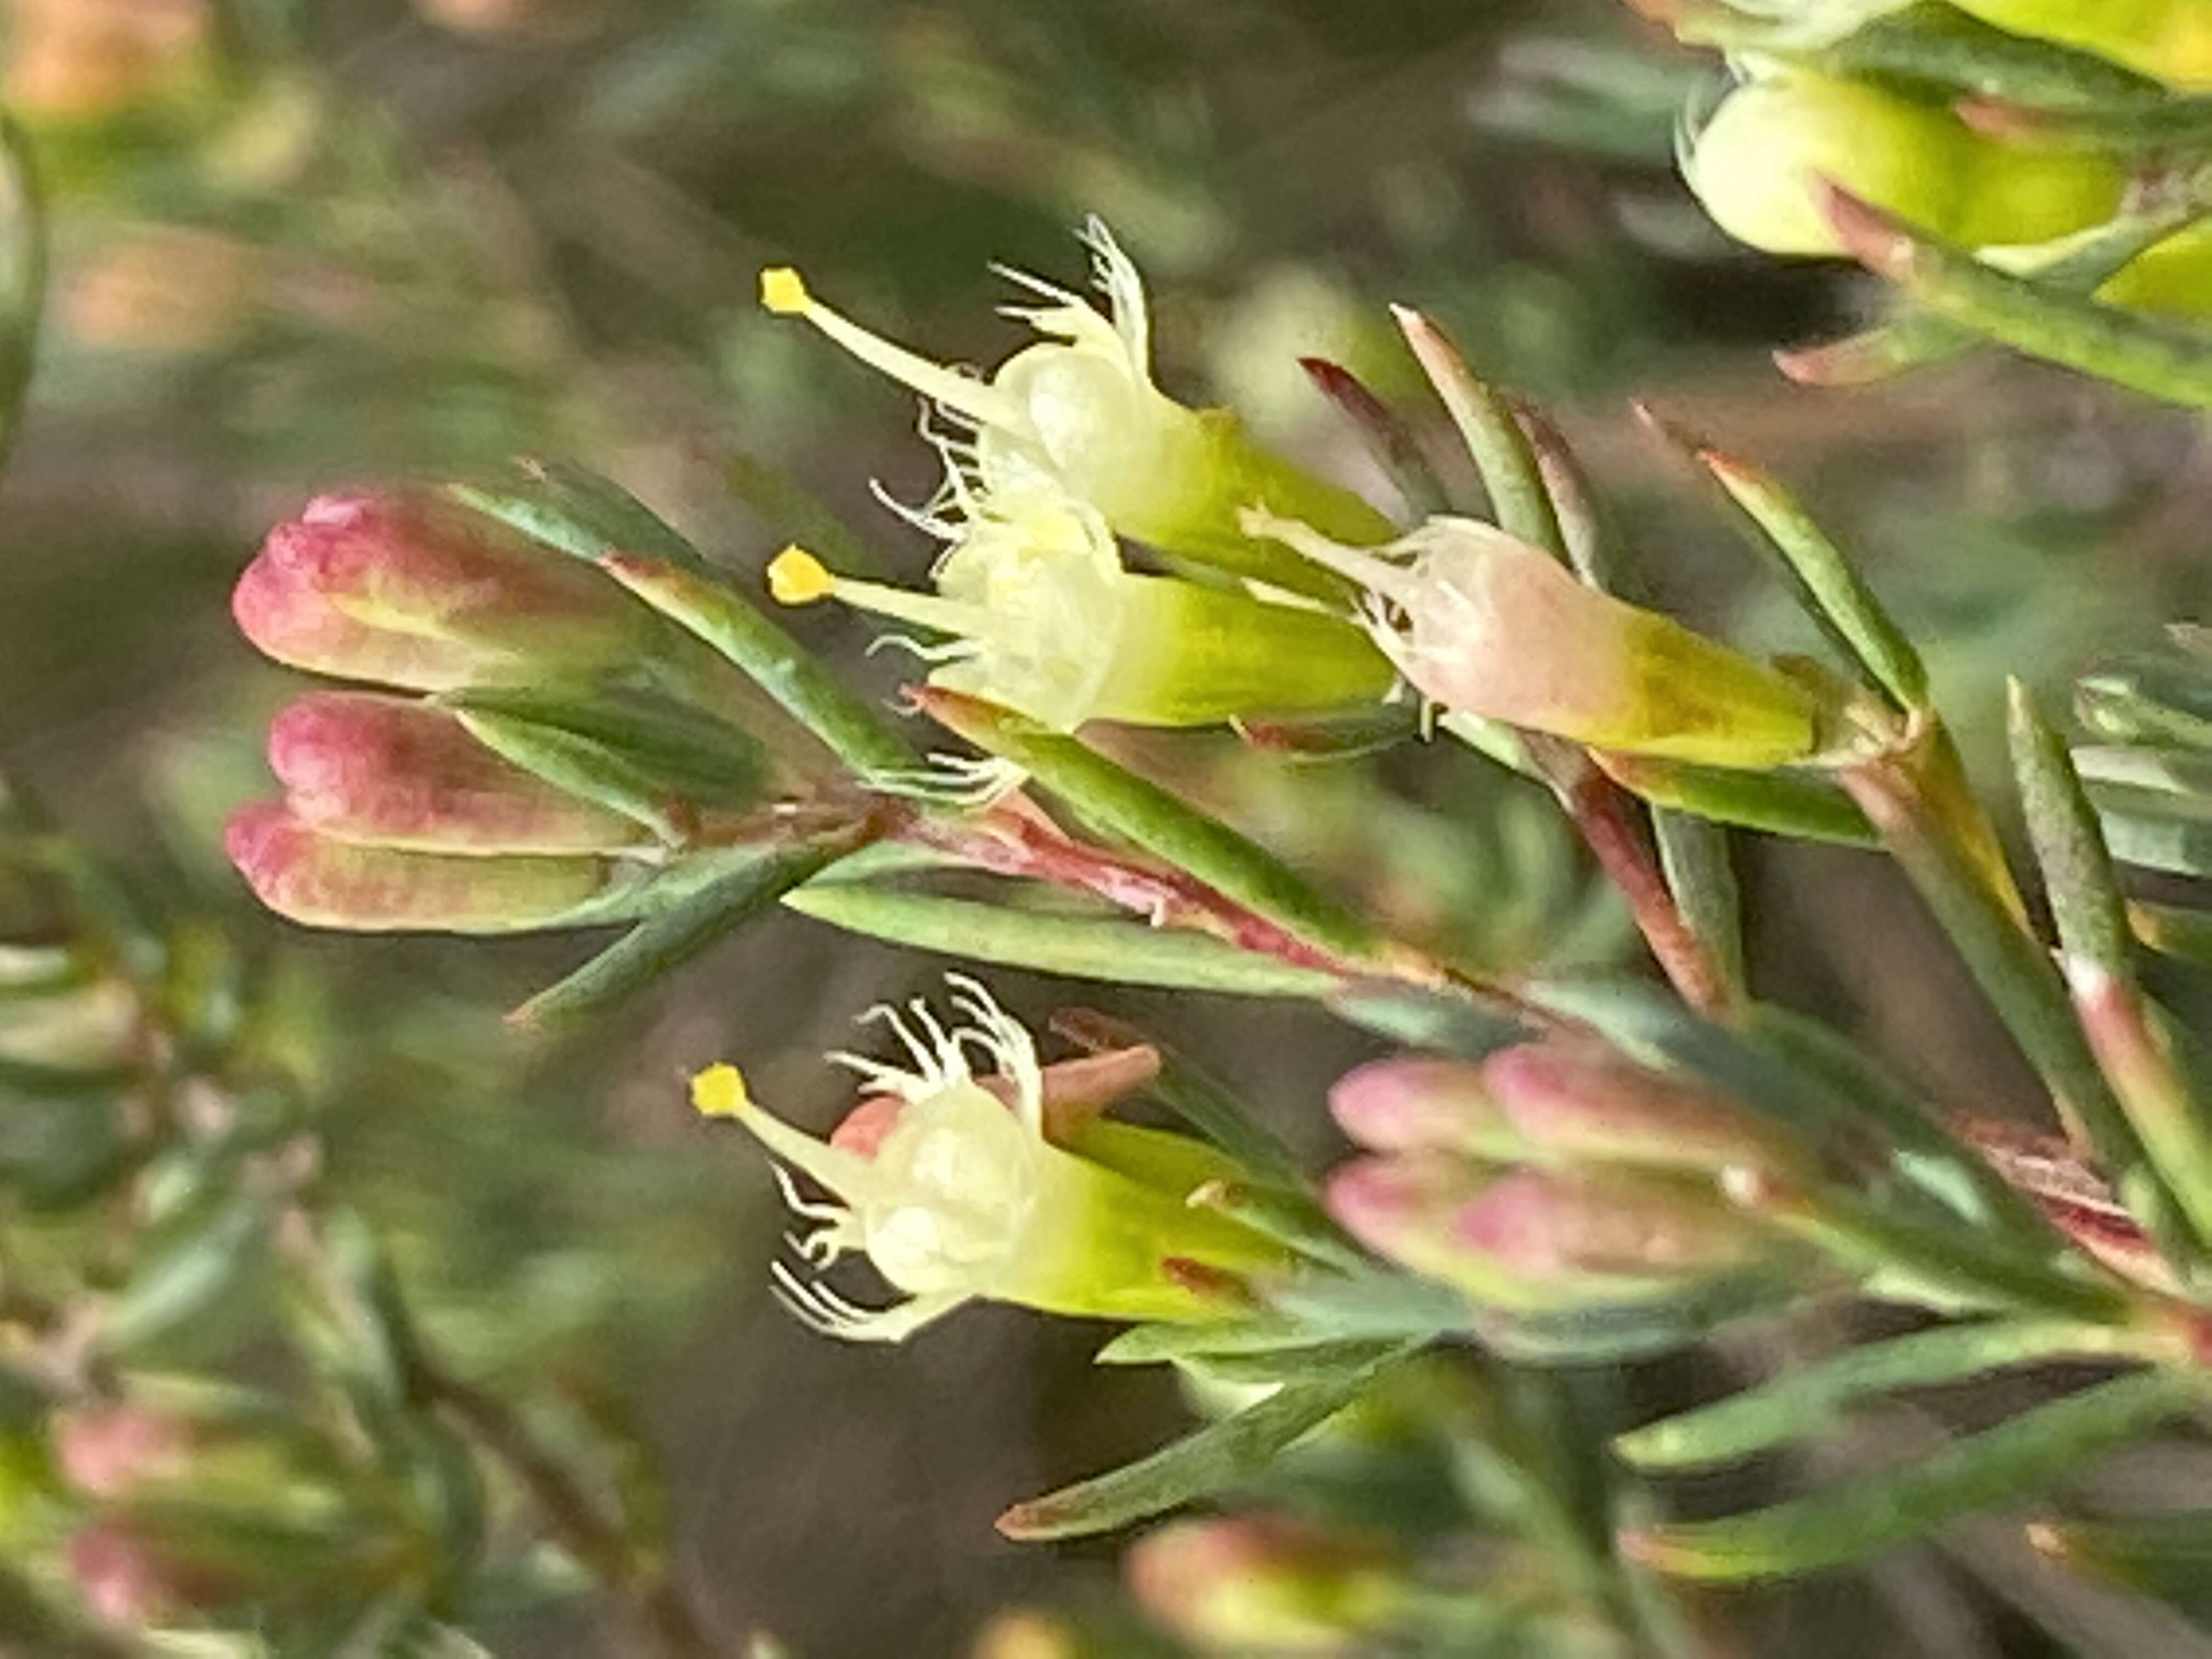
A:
[796,577]
[783,291]
[718,1091]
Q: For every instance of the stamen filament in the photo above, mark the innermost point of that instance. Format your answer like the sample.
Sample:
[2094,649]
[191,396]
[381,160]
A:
[1376,575]
[796,577]
[783,292]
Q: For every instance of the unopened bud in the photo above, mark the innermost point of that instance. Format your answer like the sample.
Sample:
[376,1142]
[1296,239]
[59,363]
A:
[1533,1238]
[1581,1100]
[412,592]
[1425,1103]
[1756,165]
[1489,625]
[1258,1584]
[390,771]
[322,881]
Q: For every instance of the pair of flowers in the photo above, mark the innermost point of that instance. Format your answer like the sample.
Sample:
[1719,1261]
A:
[1288,595]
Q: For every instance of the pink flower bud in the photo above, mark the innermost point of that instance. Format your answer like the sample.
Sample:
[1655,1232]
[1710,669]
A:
[1537,1238]
[1423,1103]
[1258,1583]
[1549,1226]
[409,591]
[361,767]
[321,882]
[1578,1099]
[111,1451]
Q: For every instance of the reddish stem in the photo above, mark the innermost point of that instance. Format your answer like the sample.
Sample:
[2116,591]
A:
[1012,844]
[1606,815]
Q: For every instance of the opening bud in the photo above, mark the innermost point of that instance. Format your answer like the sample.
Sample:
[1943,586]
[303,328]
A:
[320,881]
[1080,409]
[1043,618]
[953,1193]
[413,591]
[357,766]
[1482,622]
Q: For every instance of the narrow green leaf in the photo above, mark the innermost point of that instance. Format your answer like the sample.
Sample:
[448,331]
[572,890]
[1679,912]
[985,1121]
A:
[2148,702]
[22,276]
[1921,1148]
[1439,1021]
[2079,263]
[1491,739]
[2097,951]
[185,1278]
[680,750]
[2155,829]
[1944,49]
[1251,1333]
[2077,871]
[1332,737]
[1802,1403]
[2173,930]
[1794,804]
[2165,1555]
[1290,1218]
[1216,1457]
[1665,1319]
[2144,355]
[1905,799]
[1082,947]
[1380,1302]
[771,659]
[1693,856]
[577,512]
[2184,773]
[1827,582]
[1284,1365]
[666,941]
[581,767]
[1388,438]
[1501,450]
[1116,800]
[2018,1459]
[1194,1096]
[1585,536]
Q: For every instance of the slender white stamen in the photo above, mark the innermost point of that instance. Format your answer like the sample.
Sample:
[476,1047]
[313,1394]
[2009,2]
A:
[1377,576]
[974,397]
